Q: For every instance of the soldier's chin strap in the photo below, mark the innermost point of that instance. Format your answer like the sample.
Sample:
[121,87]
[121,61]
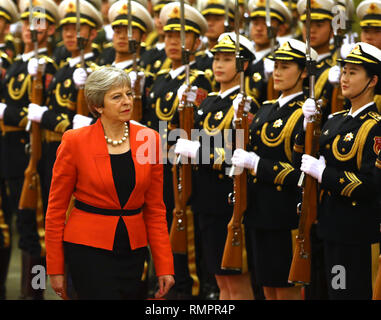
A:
[363,90]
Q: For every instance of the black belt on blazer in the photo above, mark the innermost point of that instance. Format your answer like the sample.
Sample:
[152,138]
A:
[107,212]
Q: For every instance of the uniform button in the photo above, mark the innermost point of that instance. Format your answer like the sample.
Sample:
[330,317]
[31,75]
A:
[220,176]
[279,188]
[255,180]
[354,203]
[275,168]
[211,156]
[255,148]
[149,123]
[327,146]
[165,110]
[153,106]
[258,132]
[342,149]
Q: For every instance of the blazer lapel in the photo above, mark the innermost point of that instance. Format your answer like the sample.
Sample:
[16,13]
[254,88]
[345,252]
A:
[103,162]
[139,167]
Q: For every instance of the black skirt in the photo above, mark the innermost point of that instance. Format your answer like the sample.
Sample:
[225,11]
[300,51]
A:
[99,274]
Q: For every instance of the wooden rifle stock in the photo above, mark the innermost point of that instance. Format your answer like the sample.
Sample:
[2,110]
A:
[81,103]
[29,193]
[300,270]
[271,92]
[182,184]
[337,100]
[232,256]
[377,285]
[137,107]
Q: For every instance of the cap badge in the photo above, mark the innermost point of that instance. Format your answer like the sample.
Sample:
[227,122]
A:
[71,7]
[175,13]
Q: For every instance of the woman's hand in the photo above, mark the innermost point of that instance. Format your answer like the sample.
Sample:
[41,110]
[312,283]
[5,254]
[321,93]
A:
[57,282]
[165,283]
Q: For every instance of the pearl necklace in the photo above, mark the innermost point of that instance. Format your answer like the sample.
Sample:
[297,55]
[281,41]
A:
[115,143]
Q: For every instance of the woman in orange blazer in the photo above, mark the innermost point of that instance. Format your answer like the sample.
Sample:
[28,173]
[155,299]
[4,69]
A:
[113,170]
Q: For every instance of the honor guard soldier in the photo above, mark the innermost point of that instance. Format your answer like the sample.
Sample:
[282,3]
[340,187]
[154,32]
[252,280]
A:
[164,99]
[348,208]
[61,103]
[262,68]
[211,186]
[61,53]
[107,56]
[271,213]
[8,14]
[154,58]
[142,25]
[14,111]
[369,14]
[321,34]
[214,13]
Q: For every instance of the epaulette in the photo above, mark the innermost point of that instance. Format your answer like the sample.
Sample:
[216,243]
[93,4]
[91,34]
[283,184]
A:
[107,45]
[199,53]
[375,116]
[269,101]
[211,94]
[208,73]
[92,65]
[197,72]
[4,56]
[337,113]
[163,71]
[50,60]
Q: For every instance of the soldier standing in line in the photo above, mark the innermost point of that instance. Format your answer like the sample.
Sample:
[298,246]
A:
[348,207]
[154,58]
[124,59]
[8,14]
[215,15]
[262,68]
[211,186]
[164,99]
[271,214]
[14,113]
[61,100]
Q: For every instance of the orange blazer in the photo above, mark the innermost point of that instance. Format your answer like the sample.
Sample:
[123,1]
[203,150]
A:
[83,168]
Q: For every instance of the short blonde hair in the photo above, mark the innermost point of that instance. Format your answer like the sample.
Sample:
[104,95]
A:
[99,82]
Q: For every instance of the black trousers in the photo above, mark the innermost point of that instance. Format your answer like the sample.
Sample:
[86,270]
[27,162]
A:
[99,274]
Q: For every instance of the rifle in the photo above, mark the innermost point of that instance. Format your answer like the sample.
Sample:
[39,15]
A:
[271,34]
[300,270]
[337,97]
[232,256]
[81,107]
[377,286]
[136,90]
[182,181]
[29,193]
[226,22]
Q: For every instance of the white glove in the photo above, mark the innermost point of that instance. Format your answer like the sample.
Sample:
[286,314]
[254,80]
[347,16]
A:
[268,67]
[244,159]
[334,75]
[35,112]
[133,77]
[237,101]
[313,167]
[191,95]
[2,109]
[33,65]
[309,109]
[80,121]
[187,148]
[345,49]
[79,77]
